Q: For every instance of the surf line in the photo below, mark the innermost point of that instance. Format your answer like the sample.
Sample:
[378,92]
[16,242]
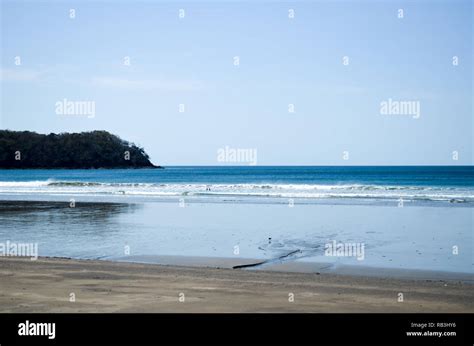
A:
[266,261]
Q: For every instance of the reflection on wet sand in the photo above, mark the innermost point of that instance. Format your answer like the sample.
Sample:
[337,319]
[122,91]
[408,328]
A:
[63,211]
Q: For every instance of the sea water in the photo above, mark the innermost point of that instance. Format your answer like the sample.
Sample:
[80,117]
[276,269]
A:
[403,217]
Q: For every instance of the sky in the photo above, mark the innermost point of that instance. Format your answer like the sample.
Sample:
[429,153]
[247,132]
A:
[336,62]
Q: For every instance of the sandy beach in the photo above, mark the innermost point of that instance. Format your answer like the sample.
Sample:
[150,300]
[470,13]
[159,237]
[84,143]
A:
[47,285]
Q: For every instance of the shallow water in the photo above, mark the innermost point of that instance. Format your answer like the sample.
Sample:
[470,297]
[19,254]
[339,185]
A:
[409,237]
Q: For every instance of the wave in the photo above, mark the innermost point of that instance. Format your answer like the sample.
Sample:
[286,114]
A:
[220,186]
[304,191]
[24,183]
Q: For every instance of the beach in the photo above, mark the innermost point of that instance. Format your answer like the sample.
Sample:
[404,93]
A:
[261,239]
[46,285]
[232,172]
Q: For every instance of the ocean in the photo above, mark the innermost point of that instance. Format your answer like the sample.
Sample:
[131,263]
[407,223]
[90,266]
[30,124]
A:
[452,184]
[399,217]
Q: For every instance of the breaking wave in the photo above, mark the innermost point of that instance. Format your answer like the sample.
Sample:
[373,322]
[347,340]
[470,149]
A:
[305,191]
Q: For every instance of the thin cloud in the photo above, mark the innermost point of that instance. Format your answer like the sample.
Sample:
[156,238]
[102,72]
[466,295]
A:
[18,74]
[147,84]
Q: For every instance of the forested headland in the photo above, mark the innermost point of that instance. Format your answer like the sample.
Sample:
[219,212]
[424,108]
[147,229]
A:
[85,150]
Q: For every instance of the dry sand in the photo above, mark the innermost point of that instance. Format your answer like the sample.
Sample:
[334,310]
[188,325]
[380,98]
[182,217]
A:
[45,285]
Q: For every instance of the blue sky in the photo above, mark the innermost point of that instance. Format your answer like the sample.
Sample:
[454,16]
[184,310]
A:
[282,61]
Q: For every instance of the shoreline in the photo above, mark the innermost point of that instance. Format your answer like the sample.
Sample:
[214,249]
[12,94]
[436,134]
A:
[46,285]
[128,199]
[293,266]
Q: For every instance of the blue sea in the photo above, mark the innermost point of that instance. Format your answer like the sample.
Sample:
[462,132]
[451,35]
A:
[403,217]
[447,184]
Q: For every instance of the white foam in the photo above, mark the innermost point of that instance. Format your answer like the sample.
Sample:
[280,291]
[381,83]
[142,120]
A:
[24,183]
[306,191]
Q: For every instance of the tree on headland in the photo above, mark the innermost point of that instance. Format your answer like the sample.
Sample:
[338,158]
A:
[96,149]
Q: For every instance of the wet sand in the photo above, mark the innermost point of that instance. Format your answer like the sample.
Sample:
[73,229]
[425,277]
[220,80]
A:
[47,285]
